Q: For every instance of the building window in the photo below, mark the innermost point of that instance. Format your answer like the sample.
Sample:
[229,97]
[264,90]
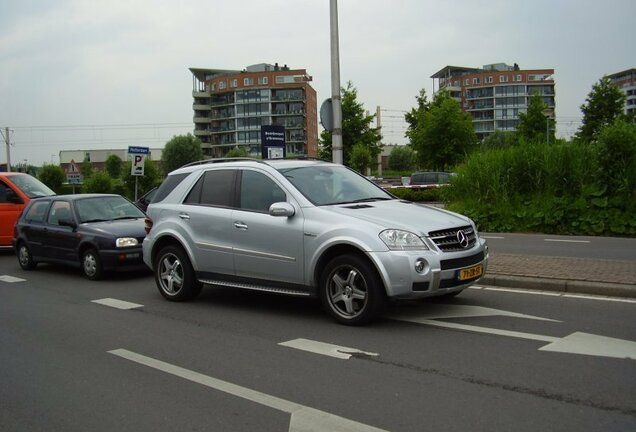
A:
[262,80]
[517,77]
[503,78]
[248,81]
[489,80]
[213,87]
[222,85]
[234,83]
[467,81]
[476,80]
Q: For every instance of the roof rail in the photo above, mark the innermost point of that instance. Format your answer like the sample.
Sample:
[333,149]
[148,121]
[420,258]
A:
[212,161]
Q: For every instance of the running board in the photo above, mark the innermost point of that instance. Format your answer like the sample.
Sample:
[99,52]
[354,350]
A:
[251,287]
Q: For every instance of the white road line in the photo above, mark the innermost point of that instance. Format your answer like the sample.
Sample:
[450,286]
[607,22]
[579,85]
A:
[492,237]
[118,304]
[303,419]
[323,348]
[11,279]
[556,294]
[567,241]
[486,330]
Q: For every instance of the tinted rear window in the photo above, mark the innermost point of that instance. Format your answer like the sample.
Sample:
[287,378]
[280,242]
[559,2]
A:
[168,185]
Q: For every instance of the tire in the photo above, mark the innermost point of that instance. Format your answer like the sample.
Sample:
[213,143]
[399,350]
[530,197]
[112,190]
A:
[25,259]
[92,265]
[351,290]
[174,275]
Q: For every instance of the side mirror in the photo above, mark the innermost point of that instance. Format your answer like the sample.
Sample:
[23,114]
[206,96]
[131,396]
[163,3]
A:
[13,197]
[67,222]
[282,209]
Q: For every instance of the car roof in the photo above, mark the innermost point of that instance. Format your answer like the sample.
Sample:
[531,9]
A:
[78,196]
[241,162]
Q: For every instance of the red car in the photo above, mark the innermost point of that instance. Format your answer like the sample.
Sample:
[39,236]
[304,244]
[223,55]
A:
[16,190]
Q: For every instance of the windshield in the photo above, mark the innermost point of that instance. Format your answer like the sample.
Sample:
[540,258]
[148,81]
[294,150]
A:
[327,185]
[98,209]
[31,186]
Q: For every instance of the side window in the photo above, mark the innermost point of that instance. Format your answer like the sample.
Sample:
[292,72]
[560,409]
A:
[168,185]
[60,210]
[218,188]
[258,192]
[194,196]
[37,211]
[3,193]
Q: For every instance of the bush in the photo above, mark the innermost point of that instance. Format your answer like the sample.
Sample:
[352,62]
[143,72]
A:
[541,188]
[419,195]
[98,182]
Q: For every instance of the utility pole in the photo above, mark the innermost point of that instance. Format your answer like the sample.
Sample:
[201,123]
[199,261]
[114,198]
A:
[7,141]
[378,125]
[336,100]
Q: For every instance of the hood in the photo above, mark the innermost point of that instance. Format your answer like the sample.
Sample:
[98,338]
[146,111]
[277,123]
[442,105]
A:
[417,218]
[117,228]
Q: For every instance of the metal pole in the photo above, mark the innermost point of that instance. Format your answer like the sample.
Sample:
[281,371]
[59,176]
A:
[336,101]
[379,126]
[7,140]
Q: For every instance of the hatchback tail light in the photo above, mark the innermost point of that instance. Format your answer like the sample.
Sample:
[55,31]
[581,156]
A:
[147,224]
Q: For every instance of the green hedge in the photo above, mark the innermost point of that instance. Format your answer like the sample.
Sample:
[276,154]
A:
[558,189]
[418,195]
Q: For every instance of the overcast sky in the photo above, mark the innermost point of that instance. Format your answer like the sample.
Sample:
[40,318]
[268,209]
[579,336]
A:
[108,74]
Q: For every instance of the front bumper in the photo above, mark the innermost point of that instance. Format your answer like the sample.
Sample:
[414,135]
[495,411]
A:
[440,275]
[123,259]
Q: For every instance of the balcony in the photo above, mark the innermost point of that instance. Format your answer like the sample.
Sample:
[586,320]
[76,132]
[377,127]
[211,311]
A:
[203,94]
[200,107]
[201,119]
[201,132]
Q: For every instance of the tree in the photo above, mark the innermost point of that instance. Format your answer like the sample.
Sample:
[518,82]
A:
[356,128]
[237,152]
[114,166]
[500,139]
[53,176]
[98,182]
[401,158]
[414,117]
[86,167]
[604,104]
[443,135]
[360,158]
[535,125]
[180,150]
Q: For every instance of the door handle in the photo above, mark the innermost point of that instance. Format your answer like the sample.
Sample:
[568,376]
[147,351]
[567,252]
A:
[240,225]
[184,216]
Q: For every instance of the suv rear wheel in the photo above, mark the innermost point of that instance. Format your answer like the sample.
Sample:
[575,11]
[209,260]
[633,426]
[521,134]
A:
[174,275]
[351,290]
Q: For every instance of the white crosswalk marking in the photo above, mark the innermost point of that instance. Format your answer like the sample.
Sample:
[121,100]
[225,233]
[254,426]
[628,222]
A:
[118,304]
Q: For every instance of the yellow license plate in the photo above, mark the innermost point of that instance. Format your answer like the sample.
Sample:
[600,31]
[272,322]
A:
[471,272]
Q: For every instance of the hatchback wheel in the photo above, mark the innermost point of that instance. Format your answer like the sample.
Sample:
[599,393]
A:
[351,290]
[92,265]
[25,258]
[174,275]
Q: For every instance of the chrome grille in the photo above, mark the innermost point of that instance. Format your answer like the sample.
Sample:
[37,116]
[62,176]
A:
[448,240]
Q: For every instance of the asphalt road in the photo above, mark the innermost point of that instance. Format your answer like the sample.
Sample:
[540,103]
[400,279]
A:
[487,360]
[612,248]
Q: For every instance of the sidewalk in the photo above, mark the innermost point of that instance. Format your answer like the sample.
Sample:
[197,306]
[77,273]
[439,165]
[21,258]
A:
[577,275]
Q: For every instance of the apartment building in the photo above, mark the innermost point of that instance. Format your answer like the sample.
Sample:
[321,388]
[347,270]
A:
[626,82]
[230,106]
[495,94]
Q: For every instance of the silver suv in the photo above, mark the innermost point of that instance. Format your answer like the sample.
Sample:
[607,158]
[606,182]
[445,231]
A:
[305,228]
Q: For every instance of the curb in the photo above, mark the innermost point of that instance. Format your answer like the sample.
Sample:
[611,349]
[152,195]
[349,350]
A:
[561,285]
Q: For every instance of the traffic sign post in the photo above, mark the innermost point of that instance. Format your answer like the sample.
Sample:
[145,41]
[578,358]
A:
[138,161]
[73,175]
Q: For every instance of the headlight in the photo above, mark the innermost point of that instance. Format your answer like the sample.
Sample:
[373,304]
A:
[126,241]
[402,240]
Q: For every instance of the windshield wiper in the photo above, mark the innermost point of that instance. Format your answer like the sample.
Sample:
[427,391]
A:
[127,217]
[361,200]
[95,220]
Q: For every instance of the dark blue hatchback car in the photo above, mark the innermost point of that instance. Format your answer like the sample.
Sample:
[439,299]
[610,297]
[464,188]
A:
[97,232]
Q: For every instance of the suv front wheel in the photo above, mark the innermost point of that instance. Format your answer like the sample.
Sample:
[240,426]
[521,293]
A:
[351,290]
[174,275]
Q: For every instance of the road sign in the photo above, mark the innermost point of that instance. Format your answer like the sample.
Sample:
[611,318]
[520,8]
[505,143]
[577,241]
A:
[326,115]
[138,150]
[73,174]
[137,168]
